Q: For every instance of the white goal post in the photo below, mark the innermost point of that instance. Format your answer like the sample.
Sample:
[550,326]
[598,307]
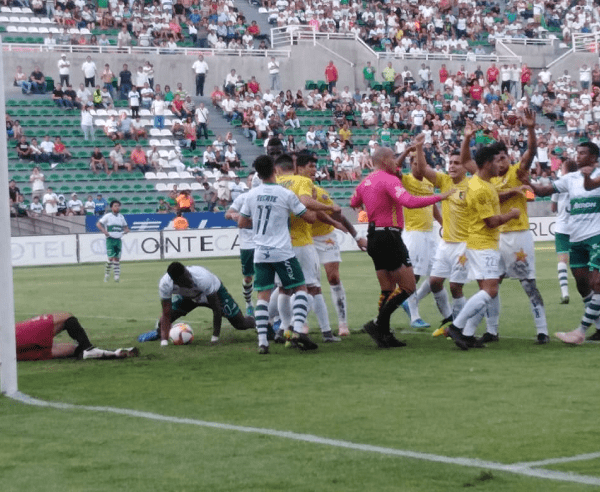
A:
[8,350]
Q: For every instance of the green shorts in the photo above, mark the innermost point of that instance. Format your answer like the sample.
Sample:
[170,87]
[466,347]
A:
[289,272]
[183,306]
[561,243]
[585,254]
[113,247]
[247,257]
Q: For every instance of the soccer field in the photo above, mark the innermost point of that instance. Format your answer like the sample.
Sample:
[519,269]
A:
[348,417]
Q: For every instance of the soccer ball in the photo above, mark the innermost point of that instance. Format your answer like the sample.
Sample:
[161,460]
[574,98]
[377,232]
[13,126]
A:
[181,334]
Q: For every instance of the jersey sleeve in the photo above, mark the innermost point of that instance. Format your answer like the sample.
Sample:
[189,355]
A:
[165,287]
[238,203]
[561,185]
[103,220]
[245,208]
[554,197]
[356,200]
[404,198]
[296,206]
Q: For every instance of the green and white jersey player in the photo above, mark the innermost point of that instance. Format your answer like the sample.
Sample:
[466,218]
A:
[113,225]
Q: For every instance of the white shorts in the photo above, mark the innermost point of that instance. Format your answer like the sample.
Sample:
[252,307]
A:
[450,262]
[484,263]
[309,261]
[517,255]
[421,250]
[328,248]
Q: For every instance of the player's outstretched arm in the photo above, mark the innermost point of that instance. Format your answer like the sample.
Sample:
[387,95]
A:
[232,214]
[517,190]
[215,305]
[328,219]
[497,220]
[542,190]
[244,222]
[360,241]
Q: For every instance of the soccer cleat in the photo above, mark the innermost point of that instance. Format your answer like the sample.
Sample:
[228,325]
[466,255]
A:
[373,330]
[489,337]
[472,342]
[329,337]
[303,342]
[447,320]
[594,337]
[250,310]
[575,337]
[439,332]
[406,308]
[122,353]
[542,339]
[96,353]
[419,323]
[391,341]
[149,336]
[117,279]
[263,349]
[343,330]
[279,336]
[457,336]
[564,300]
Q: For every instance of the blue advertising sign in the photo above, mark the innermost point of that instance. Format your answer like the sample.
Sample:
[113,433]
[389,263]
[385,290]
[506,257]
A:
[159,222]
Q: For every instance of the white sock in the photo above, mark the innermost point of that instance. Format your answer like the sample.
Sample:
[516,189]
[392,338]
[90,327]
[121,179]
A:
[442,303]
[273,310]
[338,296]
[457,305]
[262,320]
[474,305]
[413,306]
[492,315]
[284,305]
[537,305]
[472,324]
[300,308]
[424,290]
[321,312]
[563,278]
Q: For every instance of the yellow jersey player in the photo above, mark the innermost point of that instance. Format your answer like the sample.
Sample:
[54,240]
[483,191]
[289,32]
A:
[418,235]
[483,254]
[450,260]
[302,242]
[517,258]
[326,244]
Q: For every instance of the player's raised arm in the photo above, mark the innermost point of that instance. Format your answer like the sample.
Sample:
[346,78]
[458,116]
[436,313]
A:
[589,183]
[528,121]
[465,149]
[422,170]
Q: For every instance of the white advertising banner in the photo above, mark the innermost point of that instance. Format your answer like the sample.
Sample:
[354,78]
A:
[191,243]
[201,243]
[43,250]
[136,246]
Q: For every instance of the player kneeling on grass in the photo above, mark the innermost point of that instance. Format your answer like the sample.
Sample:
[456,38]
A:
[35,340]
[183,289]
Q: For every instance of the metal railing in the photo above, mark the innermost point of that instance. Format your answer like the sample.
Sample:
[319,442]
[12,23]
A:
[288,35]
[140,50]
[528,41]
[586,43]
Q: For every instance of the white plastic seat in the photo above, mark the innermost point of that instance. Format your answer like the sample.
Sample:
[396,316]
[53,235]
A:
[150,175]
[101,112]
[99,122]
[173,175]
[165,142]
[4,18]
[24,20]
[43,30]
[46,20]
[162,175]
[154,142]
[54,30]
[11,28]
[161,187]
[33,30]
[155,132]
[195,186]
[185,175]
[184,186]
[171,186]
[166,132]
[145,112]
[22,29]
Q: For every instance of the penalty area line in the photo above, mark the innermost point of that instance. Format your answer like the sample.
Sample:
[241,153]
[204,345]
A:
[517,469]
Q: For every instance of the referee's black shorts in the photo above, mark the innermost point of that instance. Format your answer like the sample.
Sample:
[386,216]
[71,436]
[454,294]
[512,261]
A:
[386,248]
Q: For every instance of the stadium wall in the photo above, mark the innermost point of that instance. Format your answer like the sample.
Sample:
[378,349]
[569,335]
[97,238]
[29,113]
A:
[159,245]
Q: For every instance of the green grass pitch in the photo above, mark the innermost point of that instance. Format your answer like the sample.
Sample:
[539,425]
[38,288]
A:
[511,402]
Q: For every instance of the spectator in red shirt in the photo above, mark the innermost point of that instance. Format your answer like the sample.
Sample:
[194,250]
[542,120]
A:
[139,160]
[476,92]
[331,75]
[177,106]
[525,77]
[443,74]
[492,73]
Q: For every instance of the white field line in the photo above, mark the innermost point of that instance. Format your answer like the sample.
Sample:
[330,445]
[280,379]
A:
[519,469]
[556,461]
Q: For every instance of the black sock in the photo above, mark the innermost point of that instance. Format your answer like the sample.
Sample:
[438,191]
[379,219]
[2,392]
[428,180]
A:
[393,302]
[77,333]
[383,297]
